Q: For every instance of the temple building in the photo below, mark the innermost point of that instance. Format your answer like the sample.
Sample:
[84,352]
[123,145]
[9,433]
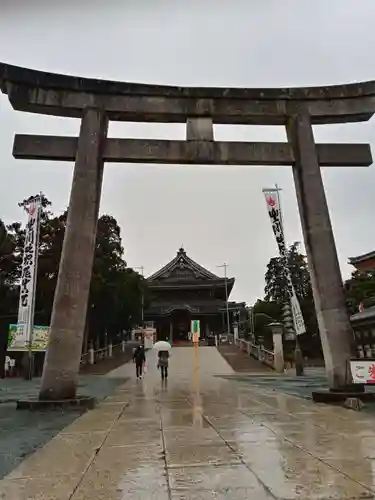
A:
[363,322]
[365,262]
[183,291]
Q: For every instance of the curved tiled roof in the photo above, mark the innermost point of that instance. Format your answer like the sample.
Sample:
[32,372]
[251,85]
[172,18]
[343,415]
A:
[182,259]
[368,313]
[362,258]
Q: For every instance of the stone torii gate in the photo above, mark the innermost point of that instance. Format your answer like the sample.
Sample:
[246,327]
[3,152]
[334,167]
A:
[95,102]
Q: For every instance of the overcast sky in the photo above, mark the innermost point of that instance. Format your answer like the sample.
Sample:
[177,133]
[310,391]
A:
[217,213]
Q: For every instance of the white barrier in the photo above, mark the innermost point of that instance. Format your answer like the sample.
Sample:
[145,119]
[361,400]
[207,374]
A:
[258,352]
[93,357]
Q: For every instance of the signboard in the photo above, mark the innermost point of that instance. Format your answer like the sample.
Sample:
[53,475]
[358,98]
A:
[274,211]
[235,333]
[136,334]
[363,371]
[148,337]
[39,339]
[196,330]
[23,334]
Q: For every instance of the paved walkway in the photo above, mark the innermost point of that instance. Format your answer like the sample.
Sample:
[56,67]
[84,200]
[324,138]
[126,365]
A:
[241,361]
[201,437]
[21,432]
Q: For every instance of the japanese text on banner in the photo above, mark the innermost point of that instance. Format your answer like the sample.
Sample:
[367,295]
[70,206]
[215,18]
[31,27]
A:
[28,276]
[274,211]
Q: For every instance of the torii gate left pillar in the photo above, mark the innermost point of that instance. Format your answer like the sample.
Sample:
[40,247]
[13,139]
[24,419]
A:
[59,380]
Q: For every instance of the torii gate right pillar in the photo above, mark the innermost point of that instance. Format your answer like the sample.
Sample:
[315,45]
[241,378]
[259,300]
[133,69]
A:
[333,320]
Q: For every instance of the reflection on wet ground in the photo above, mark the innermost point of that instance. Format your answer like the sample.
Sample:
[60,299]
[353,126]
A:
[202,437]
[21,433]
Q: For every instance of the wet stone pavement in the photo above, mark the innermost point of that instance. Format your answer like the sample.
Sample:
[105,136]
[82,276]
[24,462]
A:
[288,383]
[21,433]
[201,437]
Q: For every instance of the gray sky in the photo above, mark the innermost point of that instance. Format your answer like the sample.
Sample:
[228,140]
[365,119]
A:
[217,213]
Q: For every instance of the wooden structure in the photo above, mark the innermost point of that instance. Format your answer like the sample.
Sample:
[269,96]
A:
[363,322]
[183,290]
[365,262]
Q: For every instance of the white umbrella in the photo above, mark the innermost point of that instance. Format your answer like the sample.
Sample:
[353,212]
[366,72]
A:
[162,345]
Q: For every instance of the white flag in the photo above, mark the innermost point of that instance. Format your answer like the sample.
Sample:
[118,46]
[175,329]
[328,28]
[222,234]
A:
[299,323]
[274,211]
[28,277]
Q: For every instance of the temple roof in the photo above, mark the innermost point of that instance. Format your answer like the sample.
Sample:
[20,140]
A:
[361,258]
[367,314]
[182,269]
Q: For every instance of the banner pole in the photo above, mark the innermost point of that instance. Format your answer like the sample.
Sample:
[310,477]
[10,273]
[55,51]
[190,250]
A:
[281,212]
[33,297]
[298,358]
[26,309]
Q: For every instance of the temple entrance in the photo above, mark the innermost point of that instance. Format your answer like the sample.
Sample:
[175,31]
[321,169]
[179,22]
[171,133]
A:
[180,326]
[182,291]
[163,331]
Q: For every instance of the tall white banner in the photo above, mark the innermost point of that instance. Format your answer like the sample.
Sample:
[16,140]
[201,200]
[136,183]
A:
[274,211]
[26,307]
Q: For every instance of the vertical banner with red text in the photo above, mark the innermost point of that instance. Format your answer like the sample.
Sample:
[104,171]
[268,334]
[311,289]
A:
[274,211]
[26,307]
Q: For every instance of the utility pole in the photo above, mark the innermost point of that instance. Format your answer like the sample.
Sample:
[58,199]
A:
[226,294]
[251,321]
[141,268]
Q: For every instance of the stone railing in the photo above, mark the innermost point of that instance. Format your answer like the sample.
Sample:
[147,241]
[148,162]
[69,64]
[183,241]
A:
[258,352]
[13,367]
[92,357]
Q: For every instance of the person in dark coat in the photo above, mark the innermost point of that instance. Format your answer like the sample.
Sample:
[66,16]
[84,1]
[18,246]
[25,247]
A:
[163,363]
[140,360]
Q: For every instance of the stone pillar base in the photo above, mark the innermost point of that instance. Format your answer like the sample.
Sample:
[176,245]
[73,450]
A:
[79,403]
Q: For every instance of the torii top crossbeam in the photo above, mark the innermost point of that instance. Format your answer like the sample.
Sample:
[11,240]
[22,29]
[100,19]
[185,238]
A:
[64,95]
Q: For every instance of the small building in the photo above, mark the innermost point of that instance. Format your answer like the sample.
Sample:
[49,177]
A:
[365,262]
[363,322]
[183,291]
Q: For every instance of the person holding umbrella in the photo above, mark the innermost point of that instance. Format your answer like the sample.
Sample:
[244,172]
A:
[163,349]
[163,363]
